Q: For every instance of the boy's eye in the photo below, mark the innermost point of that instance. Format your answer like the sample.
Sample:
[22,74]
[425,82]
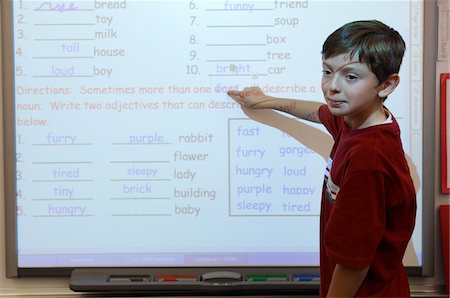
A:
[351,77]
[326,72]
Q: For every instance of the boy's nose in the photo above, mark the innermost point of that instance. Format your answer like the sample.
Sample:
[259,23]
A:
[333,85]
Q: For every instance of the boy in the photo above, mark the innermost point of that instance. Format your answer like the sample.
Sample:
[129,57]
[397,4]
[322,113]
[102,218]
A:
[368,199]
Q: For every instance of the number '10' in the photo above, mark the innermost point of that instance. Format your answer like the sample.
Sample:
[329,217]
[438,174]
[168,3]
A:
[191,69]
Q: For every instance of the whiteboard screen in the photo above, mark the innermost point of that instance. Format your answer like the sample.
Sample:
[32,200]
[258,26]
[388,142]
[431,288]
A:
[129,152]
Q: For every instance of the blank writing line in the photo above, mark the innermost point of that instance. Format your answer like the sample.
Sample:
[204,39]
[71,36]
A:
[145,161]
[155,198]
[238,60]
[64,39]
[123,180]
[236,45]
[141,214]
[65,24]
[240,26]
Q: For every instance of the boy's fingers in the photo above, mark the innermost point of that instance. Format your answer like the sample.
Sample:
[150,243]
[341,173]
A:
[249,91]
[236,96]
[234,93]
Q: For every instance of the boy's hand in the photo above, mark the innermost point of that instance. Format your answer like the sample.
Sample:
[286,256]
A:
[251,97]
[254,98]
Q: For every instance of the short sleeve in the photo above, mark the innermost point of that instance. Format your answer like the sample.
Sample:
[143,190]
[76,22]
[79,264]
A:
[357,221]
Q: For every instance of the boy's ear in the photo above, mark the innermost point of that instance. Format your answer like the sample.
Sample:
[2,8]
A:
[388,86]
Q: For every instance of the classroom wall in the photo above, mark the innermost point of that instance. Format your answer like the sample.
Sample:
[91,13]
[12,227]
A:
[59,286]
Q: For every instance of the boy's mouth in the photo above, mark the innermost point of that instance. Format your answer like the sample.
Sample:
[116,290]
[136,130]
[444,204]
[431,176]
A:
[335,102]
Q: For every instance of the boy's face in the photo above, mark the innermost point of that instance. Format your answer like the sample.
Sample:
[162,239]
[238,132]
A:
[350,89]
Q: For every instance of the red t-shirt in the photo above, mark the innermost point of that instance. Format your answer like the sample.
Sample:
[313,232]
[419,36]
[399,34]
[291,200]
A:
[368,207]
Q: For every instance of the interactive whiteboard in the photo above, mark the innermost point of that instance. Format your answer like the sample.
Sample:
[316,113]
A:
[128,151]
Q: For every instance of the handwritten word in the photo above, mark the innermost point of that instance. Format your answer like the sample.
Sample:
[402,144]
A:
[63,192]
[239,6]
[60,139]
[61,7]
[66,210]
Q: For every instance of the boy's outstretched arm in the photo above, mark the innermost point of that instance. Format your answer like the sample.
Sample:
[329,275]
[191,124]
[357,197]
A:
[254,98]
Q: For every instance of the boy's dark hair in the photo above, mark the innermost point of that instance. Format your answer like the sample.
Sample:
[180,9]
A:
[375,43]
